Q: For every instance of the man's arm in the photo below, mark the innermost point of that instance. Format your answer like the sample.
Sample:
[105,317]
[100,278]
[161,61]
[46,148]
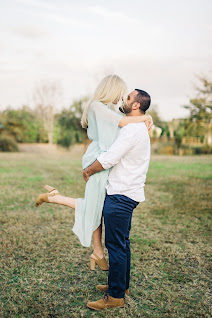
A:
[124,142]
[92,169]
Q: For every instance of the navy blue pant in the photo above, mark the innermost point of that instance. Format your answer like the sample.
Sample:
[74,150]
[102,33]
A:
[117,214]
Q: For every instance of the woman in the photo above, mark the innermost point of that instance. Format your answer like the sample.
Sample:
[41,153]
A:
[102,125]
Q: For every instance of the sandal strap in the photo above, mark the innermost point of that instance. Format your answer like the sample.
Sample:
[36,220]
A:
[47,186]
[52,194]
[52,190]
[98,258]
[101,262]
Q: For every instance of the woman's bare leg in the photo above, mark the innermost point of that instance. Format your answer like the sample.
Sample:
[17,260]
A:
[97,242]
[60,199]
[97,234]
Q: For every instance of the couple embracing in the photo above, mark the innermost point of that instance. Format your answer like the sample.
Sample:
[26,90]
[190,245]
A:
[114,168]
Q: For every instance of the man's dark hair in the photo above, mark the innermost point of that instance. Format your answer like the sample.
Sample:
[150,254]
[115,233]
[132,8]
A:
[143,99]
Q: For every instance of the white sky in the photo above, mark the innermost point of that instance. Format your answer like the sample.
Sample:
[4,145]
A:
[155,45]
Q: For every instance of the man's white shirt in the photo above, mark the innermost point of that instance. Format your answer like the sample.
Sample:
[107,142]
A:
[129,156]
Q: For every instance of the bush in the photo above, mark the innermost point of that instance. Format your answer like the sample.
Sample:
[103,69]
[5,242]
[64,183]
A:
[66,140]
[68,129]
[23,125]
[7,143]
[165,148]
[195,150]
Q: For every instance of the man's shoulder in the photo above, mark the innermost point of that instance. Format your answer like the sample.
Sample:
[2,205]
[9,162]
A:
[135,127]
[138,132]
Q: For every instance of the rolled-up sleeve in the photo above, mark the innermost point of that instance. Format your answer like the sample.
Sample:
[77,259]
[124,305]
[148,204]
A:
[121,146]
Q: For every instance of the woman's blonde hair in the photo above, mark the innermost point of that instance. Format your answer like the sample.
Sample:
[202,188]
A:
[111,88]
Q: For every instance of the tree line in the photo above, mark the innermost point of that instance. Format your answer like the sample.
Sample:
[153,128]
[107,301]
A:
[42,125]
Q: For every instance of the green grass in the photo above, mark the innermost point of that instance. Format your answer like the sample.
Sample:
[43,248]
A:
[44,271]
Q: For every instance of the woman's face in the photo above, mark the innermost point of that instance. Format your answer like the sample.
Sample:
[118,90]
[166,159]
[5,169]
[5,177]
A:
[116,101]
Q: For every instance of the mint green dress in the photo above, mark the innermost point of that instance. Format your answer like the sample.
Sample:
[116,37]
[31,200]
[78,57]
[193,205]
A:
[102,130]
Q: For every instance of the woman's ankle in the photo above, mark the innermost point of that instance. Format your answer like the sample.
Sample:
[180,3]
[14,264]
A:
[98,252]
[53,198]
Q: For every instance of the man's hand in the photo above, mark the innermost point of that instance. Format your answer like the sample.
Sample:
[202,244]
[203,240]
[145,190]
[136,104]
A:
[86,174]
[94,168]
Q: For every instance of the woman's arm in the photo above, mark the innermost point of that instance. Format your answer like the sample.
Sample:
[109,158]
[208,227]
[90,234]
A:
[147,119]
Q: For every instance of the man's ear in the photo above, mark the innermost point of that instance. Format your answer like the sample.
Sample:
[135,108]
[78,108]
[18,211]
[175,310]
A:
[135,106]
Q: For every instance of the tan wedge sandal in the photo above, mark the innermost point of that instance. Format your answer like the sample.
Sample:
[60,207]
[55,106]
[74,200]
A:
[43,197]
[100,261]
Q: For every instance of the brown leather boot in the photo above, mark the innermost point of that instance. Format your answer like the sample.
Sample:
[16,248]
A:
[103,288]
[106,302]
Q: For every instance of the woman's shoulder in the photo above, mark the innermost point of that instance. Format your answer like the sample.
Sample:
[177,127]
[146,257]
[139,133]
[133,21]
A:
[104,111]
[96,103]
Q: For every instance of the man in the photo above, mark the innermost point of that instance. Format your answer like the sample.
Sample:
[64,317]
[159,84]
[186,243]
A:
[129,156]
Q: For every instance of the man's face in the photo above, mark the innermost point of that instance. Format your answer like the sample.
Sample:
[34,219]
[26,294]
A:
[130,101]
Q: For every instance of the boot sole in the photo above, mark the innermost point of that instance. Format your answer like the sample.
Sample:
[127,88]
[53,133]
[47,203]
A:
[104,307]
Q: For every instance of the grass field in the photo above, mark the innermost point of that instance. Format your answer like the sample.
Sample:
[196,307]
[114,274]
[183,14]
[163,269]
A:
[44,271]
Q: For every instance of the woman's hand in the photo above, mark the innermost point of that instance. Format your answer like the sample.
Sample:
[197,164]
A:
[149,122]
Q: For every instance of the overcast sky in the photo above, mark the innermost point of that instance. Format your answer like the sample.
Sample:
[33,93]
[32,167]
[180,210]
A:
[155,45]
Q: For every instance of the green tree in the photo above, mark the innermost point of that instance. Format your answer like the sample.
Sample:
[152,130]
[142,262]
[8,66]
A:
[23,125]
[153,111]
[200,119]
[68,121]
